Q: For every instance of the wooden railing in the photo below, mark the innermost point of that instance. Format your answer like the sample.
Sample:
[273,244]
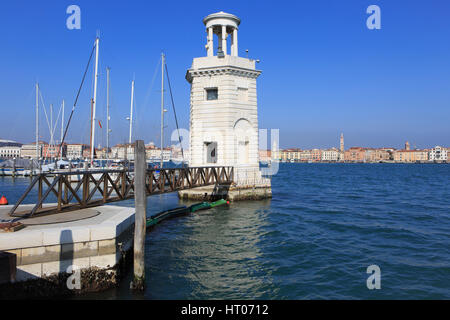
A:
[83,189]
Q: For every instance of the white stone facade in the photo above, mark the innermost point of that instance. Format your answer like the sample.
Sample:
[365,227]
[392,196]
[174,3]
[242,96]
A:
[223,104]
[10,152]
[332,154]
[28,151]
[75,151]
[438,153]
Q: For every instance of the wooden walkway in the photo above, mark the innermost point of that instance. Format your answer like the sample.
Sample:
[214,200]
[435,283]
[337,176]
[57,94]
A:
[94,188]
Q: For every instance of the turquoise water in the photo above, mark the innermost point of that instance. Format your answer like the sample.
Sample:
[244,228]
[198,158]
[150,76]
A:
[315,239]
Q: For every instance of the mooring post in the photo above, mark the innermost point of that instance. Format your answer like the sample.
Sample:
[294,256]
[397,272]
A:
[140,204]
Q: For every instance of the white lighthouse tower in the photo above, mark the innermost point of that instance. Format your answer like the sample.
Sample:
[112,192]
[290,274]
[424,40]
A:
[223,105]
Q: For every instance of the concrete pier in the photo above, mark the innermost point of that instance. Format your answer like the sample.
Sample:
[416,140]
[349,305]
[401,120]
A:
[231,193]
[93,240]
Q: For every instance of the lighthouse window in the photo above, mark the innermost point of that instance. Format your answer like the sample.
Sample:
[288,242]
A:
[211,152]
[212,94]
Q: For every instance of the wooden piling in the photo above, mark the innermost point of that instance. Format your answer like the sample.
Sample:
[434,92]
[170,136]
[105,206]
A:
[140,203]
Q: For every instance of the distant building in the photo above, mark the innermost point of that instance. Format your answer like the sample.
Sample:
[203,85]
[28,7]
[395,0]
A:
[176,152]
[407,147]
[76,150]
[265,155]
[53,151]
[10,150]
[384,154]
[330,155]
[438,153]
[119,151]
[316,155]
[342,143]
[369,155]
[275,152]
[355,154]
[154,153]
[126,151]
[410,155]
[290,154]
[102,153]
[87,152]
[29,150]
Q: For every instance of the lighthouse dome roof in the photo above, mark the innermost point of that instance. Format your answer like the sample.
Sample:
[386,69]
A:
[221,18]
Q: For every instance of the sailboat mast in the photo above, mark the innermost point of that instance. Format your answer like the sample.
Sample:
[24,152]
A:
[131,111]
[162,107]
[107,112]
[37,122]
[62,129]
[51,131]
[94,100]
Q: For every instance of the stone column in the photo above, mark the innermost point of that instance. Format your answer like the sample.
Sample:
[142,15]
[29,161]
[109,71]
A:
[224,40]
[235,43]
[210,42]
[219,40]
[232,44]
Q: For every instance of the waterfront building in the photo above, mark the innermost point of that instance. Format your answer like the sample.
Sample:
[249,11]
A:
[407,146]
[102,153]
[176,152]
[384,154]
[369,155]
[410,155]
[123,151]
[354,154]
[438,153]
[77,151]
[316,155]
[265,155]
[306,155]
[312,155]
[290,155]
[28,150]
[87,152]
[153,153]
[332,155]
[53,151]
[118,152]
[275,152]
[10,150]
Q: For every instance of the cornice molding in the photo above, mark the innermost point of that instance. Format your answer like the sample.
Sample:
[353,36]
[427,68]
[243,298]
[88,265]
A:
[228,70]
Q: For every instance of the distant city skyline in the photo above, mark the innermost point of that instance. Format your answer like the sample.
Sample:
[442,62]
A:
[323,71]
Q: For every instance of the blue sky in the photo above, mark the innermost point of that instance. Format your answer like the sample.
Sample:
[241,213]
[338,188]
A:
[324,72]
